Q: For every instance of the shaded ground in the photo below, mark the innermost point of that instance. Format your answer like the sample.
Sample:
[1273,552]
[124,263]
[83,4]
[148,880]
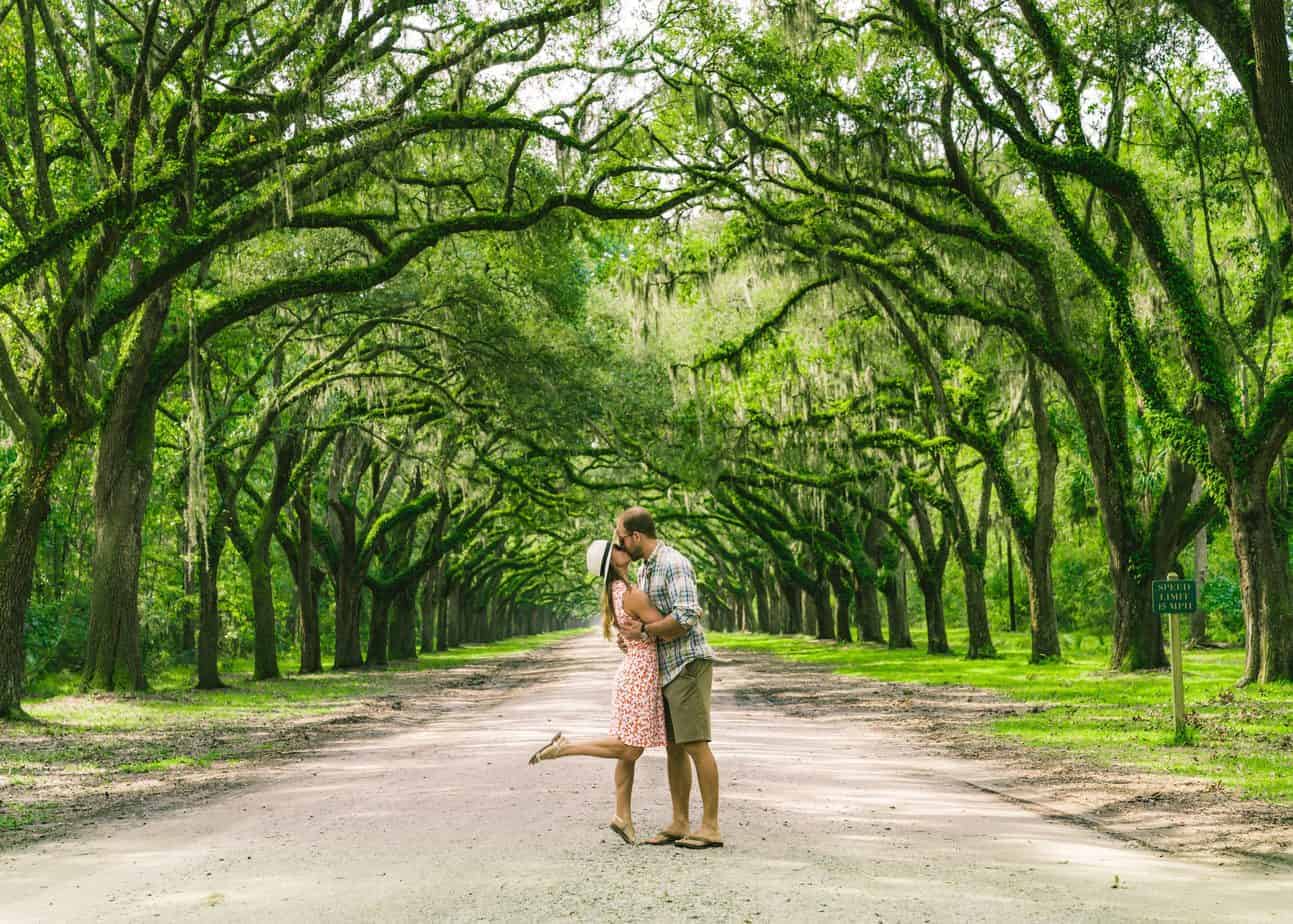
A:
[824,817]
[1191,817]
[115,757]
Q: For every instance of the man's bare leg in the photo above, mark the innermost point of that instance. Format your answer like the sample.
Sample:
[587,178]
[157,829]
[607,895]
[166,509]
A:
[679,790]
[707,777]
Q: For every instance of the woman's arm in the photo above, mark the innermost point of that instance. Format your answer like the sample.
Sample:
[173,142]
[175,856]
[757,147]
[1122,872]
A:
[639,606]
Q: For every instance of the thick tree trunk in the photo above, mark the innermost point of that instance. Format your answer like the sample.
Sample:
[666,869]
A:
[976,615]
[1041,604]
[866,600]
[895,598]
[377,629]
[931,590]
[122,480]
[307,590]
[823,617]
[1263,585]
[1137,632]
[404,642]
[22,513]
[265,635]
[347,652]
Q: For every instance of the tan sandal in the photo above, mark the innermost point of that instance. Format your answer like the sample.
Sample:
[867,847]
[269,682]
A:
[625,831]
[550,750]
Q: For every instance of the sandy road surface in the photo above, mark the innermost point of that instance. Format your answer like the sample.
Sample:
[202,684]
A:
[825,820]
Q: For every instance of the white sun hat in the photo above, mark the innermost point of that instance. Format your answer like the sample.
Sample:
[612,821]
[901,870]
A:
[598,557]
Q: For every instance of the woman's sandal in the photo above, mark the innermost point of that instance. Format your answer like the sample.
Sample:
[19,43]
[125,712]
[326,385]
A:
[624,830]
[696,842]
[550,750]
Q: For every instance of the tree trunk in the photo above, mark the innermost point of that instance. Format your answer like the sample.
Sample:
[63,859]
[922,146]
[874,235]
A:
[794,621]
[306,589]
[404,642]
[430,609]
[1042,618]
[976,615]
[973,557]
[265,634]
[377,629]
[1263,585]
[843,598]
[22,513]
[895,598]
[209,609]
[763,612]
[347,652]
[866,600]
[122,480]
[1137,632]
[823,617]
[931,589]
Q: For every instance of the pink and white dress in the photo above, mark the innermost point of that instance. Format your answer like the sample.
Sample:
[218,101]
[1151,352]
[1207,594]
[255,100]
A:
[637,706]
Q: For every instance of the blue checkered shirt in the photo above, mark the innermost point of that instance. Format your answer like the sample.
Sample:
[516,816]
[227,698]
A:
[670,583]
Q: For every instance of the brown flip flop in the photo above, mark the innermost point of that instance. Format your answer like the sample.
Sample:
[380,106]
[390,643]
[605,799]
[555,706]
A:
[692,842]
[662,839]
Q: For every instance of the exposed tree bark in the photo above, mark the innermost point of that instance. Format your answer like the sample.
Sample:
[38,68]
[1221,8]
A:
[895,598]
[22,513]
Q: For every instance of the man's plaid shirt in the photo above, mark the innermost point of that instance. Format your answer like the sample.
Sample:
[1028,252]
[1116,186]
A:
[670,583]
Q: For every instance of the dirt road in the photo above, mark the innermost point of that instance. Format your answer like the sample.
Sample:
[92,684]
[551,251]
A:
[825,820]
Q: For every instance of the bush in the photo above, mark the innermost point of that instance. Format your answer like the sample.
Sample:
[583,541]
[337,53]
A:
[54,634]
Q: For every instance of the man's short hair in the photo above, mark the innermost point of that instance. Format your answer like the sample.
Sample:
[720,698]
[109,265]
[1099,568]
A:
[637,520]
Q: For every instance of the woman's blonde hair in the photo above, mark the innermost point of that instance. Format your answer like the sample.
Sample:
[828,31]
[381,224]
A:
[608,608]
[608,605]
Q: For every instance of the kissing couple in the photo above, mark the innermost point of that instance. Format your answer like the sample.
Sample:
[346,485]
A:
[662,688]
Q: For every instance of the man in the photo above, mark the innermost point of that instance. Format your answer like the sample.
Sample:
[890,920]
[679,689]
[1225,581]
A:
[686,676]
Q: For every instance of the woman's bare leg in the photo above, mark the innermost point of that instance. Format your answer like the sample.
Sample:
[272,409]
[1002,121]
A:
[609,748]
[624,788]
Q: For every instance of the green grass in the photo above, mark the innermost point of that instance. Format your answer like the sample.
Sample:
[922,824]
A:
[172,698]
[79,742]
[1241,738]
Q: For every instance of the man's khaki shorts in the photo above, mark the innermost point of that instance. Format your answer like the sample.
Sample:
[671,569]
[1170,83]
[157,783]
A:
[686,703]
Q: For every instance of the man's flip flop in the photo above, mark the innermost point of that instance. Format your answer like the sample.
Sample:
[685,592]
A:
[662,839]
[691,842]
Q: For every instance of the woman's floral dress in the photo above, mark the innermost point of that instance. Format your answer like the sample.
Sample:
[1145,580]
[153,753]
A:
[637,706]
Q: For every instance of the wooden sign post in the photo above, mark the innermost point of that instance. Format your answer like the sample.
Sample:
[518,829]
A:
[1175,597]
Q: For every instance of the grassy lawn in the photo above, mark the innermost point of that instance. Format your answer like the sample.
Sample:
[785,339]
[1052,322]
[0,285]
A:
[1241,738]
[56,700]
[78,742]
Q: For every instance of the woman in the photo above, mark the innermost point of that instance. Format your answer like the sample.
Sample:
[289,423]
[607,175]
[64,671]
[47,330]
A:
[637,708]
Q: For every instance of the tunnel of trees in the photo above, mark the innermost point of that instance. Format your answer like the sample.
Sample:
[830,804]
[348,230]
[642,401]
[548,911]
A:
[330,332]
